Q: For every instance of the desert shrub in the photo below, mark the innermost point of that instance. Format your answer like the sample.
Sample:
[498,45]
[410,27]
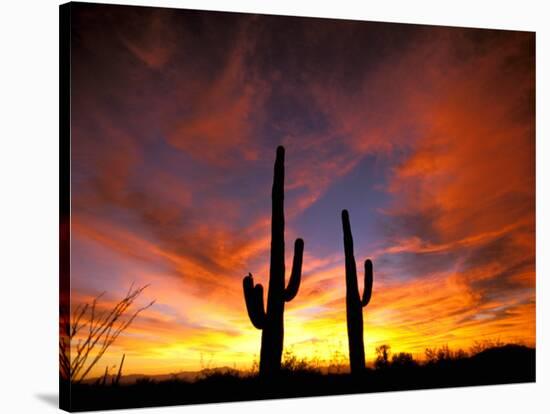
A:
[291,363]
[444,354]
[88,333]
[337,362]
[480,346]
[403,360]
[382,356]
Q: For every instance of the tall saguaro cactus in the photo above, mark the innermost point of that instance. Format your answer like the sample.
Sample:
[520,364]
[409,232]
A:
[354,303]
[270,321]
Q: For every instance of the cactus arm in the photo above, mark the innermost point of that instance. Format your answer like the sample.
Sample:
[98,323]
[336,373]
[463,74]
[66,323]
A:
[367,292]
[254,298]
[296,274]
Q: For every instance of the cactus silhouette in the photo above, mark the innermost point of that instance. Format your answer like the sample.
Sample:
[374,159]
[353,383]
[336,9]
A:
[270,321]
[354,303]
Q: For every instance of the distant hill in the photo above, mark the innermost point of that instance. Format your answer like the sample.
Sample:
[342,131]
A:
[188,376]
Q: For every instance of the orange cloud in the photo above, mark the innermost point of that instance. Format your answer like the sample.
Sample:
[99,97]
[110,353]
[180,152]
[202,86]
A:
[222,113]
[172,155]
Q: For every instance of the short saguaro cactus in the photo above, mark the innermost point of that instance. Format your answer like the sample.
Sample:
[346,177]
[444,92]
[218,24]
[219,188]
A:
[355,303]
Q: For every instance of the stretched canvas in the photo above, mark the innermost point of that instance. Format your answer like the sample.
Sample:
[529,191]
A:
[257,206]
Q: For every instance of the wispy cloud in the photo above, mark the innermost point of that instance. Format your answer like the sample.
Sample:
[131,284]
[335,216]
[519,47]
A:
[426,134]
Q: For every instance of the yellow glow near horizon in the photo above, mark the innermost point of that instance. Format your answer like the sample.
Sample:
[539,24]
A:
[400,315]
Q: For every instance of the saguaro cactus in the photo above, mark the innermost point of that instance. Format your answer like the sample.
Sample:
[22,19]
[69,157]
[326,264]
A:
[270,321]
[354,303]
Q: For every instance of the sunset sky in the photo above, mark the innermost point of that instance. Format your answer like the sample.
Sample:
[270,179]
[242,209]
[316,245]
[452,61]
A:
[425,134]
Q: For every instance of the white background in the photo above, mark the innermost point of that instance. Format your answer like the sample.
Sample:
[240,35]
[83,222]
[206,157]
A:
[29,204]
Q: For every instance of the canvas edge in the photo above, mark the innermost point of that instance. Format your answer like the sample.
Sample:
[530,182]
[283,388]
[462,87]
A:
[64,181]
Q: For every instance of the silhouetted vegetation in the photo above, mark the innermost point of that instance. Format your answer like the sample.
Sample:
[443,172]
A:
[294,365]
[87,334]
[270,319]
[116,380]
[382,356]
[299,378]
[354,303]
